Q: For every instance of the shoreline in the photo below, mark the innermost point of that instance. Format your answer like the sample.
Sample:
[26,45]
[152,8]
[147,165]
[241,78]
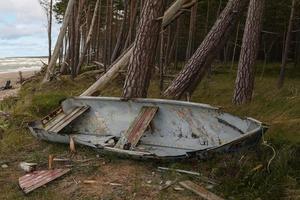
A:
[14,78]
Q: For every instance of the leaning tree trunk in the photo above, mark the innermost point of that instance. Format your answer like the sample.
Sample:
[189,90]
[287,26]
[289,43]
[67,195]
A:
[59,43]
[286,47]
[200,62]
[144,51]
[244,84]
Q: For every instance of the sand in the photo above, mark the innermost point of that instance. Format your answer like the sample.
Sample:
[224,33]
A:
[14,77]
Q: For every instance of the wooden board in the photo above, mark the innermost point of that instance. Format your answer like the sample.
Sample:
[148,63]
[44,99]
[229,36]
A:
[36,179]
[199,190]
[62,120]
[130,139]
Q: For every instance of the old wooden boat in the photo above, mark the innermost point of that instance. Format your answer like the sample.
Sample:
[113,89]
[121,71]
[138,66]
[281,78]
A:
[148,128]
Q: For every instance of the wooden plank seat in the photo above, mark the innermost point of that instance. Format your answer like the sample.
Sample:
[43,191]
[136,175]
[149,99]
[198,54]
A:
[61,119]
[134,133]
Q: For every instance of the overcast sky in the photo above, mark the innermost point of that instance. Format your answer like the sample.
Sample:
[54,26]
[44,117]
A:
[23,28]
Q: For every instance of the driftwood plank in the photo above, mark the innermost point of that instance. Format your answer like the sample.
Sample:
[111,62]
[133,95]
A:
[199,190]
[130,139]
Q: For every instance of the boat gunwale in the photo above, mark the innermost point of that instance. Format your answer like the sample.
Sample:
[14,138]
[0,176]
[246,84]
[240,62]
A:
[148,100]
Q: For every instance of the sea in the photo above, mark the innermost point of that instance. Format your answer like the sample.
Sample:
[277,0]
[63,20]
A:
[23,64]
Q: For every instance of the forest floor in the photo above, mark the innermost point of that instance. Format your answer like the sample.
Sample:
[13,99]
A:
[242,175]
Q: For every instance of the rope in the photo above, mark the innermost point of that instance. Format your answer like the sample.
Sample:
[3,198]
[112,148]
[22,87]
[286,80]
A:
[273,149]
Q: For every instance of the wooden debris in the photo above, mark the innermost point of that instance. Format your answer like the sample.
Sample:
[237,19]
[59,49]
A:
[258,167]
[50,162]
[89,182]
[177,188]
[179,171]
[72,145]
[61,160]
[199,190]
[98,63]
[130,139]
[107,183]
[36,179]
[167,185]
[200,176]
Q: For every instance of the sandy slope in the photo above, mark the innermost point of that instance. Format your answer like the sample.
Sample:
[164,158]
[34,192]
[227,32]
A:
[14,77]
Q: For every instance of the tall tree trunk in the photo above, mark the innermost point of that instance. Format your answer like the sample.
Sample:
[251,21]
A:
[286,47]
[72,48]
[122,33]
[77,36]
[50,30]
[207,16]
[60,41]
[89,37]
[193,21]
[132,22]
[108,37]
[99,53]
[200,62]
[144,51]
[244,84]
[235,45]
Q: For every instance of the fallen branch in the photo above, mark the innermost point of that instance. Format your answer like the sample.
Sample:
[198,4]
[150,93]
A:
[199,190]
[200,176]
[180,171]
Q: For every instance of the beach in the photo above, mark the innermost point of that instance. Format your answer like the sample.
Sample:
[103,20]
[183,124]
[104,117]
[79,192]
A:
[14,78]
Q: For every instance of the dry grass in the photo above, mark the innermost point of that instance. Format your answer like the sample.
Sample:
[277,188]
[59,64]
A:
[140,180]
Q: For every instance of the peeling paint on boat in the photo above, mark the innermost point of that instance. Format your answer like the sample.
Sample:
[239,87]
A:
[178,130]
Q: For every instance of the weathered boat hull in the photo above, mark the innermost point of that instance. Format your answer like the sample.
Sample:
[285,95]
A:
[179,130]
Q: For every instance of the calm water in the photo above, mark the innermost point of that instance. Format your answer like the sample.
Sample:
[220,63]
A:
[21,64]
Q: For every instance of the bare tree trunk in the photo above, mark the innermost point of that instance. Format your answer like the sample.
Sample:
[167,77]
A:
[108,33]
[89,37]
[244,84]
[77,36]
[144,51]
[193,21]
[132,22]
[177,44]
[59,43]
[286,47]
[235,45]
[99,54]
[50,31]
[72,49]
[121,35]
[197,66]
[207,16]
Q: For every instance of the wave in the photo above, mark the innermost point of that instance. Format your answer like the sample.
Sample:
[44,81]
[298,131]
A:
[20,64]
